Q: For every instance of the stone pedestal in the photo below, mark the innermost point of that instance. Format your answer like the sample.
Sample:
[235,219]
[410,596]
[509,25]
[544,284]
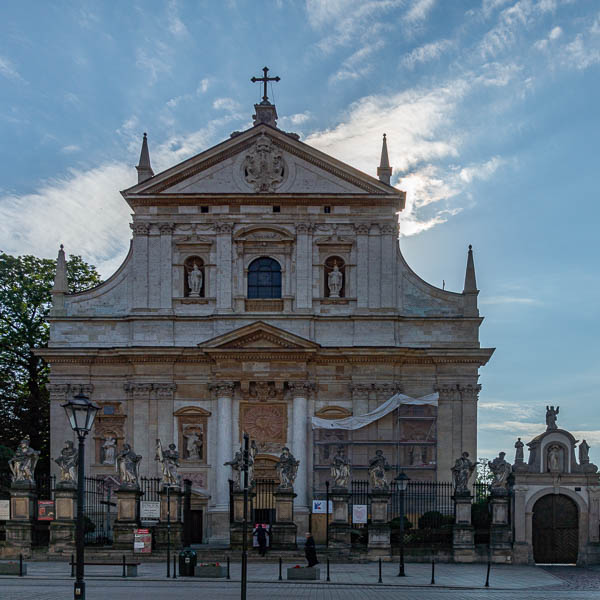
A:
[463,535]
[379,528]
[169,522]
[62,529]
[340,528]
[236,534]
[127,518]
[500,531]
[283,532]
[19,528]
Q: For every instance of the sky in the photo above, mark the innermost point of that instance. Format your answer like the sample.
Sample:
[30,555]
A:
[490,108]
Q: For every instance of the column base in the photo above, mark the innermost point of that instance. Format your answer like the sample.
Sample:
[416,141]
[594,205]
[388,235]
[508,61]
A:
[218,527]
[18,539]
[379,544]
[283,536]
[340,536]
[237,537]
[161,537]
[463,543]
[123,535]
[62,538]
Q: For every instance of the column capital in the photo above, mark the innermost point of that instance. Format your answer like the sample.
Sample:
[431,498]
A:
[164,390]
[300,389]
[223,227]
[469,391]
[139,228]
[138,390]
[305,228]
[447,391]
[58,391]
[388,388]
[166,228]
[223,389]
[362,228]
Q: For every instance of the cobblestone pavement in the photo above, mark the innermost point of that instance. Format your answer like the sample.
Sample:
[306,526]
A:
[187,590]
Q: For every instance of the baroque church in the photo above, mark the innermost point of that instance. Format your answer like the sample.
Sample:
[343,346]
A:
[265,292]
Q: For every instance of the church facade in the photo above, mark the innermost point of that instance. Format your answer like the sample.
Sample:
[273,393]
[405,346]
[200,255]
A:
[264,286]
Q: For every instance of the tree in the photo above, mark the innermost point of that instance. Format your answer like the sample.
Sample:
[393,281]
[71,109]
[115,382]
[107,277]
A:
[25,301]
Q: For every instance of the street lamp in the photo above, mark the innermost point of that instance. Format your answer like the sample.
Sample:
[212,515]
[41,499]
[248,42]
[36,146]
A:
[81,414]
[401,485]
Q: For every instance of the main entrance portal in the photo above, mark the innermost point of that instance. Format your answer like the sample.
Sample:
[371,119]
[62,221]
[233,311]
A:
[555,530]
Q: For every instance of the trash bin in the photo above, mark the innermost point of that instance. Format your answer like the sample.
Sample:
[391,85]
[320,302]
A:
[187,562]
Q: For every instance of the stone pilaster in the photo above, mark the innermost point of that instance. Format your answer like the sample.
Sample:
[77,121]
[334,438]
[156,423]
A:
[389,241]
[463,535]
[127,518]
[284,530]
[224,260]
[304,263]
[447,449]
[360,398]
[469,395]
[379,529]
[140,265]
[236,542]
[521,549]
[374,274]
[362,260]
[166,264]
[62,529]
[138,422]
[500,532]
[340,528]
[22,514]
[165,407]
[170,522]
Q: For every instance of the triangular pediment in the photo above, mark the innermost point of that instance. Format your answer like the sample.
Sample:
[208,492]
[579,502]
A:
[262,160]
[259,335]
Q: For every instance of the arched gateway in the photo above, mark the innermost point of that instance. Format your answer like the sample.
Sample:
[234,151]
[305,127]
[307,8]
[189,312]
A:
[555,530]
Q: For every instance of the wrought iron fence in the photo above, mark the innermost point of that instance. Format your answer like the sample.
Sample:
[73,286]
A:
[263,502]
[100,505]
[150,488]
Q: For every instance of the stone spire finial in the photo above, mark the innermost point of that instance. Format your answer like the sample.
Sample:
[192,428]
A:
[61,284]
[470,282]
[144,168]
[384,171]
[265,112]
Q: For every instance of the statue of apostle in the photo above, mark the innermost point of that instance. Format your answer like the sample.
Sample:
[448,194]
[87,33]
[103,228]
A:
[551,414]
[519,451]
[169,462]
[287,468]
[128,467]
[67,463]
[237,466]
[195,280]
[340,469]
[335,281]
[461,473]
[501,470]
[22,464]
[378,465]
[584,453]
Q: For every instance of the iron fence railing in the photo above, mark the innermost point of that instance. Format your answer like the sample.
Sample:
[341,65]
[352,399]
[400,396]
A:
[263,502]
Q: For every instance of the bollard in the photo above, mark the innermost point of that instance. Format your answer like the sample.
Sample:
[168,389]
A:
[228,568]
[280,578]
[328,569]
[432,571]
[124,567]
[380,580]
[175,566]
[72,565]
[487,577]
[20,565]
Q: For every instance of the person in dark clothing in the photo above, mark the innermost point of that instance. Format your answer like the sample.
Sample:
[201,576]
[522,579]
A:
[310,550]
[261,534]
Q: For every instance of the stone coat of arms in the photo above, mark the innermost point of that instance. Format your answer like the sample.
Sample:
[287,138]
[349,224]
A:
[263,166]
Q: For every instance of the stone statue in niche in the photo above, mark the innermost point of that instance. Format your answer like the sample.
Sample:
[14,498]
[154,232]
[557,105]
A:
[335,281]
[501,470]
[378,465]
[551,414]
[195,279]
[340,469]
[287,469]
[169,462]
[108,450]
[584,453]
[554,458]
[194,442]
[22,464]
[519,451]
[461,473]
[128,467]
[67,463]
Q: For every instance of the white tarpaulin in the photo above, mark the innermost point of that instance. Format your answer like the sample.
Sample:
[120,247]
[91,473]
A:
[356,422]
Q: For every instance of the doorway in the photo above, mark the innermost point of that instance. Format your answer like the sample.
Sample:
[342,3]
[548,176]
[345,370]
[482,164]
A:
[194,527]
[555,530]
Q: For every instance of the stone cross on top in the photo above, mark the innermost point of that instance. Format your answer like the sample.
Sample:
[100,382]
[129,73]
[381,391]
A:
[265,79]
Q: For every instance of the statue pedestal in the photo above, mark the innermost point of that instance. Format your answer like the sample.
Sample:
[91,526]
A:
[127,518]
[235,529]
[62,529]
[500,531]
[340,528]
[170,525]
[284,530]
[463,534]
[20,527]
[379,528]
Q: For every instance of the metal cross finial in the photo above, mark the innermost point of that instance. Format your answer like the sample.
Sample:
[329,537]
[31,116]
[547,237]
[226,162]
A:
[264,79]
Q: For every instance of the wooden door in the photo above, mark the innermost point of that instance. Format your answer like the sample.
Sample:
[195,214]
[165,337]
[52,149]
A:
[555,530]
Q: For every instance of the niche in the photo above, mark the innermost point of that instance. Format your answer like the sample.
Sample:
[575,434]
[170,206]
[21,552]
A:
[194,277]
[335,277]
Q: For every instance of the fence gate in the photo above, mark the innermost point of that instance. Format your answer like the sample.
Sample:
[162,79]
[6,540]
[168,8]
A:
[263,503]
[100,511]
[555,530]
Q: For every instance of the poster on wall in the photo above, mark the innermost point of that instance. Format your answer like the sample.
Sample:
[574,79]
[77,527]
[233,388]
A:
[149,511]
[359,513]
[46,510]
[4,510]
[318,507]
[142,541]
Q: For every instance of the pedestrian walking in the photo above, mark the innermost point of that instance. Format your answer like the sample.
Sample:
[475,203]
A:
[310,550]
[261,533]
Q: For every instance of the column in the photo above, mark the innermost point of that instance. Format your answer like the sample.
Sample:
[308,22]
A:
[521,548]
[360,398]
[164,410]
[140,265]
[166,264]
[138,424]
[224,265]
[446,453]
[59,424]
[374,276]
[154,267]
[362,266]
[469,395]
[224,393]
[300,392]
[389,236]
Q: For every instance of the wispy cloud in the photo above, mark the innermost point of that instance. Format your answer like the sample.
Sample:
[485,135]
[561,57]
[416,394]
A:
[425,53]
[510,300]
[154,59]
[228,104]
[175,24]
[357,64]
[419,10]
[8,69]
[70,149]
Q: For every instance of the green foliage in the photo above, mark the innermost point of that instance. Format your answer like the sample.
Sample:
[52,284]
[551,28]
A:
[434,520]
[395,523]
[484,475]
[25,301]
[5,455]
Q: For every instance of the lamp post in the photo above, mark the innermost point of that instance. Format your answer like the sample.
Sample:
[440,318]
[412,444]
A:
[246,456]
[81,414]
[401,485]
[327,514]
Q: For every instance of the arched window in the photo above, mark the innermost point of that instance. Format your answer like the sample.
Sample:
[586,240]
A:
[264,278]
[335,277]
